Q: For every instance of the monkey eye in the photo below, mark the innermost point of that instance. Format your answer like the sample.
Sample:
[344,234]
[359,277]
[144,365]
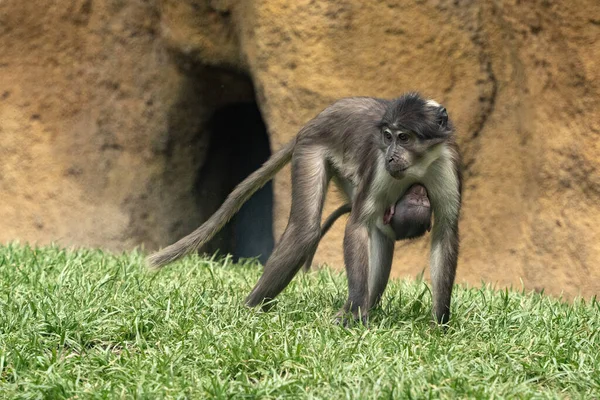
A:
[404,137]
[387,135]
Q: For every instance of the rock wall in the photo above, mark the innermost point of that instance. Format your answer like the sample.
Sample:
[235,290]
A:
[103,105]
[102,125]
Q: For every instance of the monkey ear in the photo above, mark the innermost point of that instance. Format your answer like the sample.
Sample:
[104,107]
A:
[442,117]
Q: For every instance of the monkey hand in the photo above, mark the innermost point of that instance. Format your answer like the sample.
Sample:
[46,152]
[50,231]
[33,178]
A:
[389,214]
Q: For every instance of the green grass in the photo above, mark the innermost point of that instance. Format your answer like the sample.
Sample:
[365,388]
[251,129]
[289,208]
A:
[88,324]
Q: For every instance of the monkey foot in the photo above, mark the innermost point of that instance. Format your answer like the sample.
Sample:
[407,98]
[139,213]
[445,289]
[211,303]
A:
[442,327]
[347,319]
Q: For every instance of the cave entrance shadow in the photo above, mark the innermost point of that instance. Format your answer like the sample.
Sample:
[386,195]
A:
[239,145]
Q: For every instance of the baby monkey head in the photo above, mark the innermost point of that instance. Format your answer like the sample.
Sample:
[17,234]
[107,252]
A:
[410,128]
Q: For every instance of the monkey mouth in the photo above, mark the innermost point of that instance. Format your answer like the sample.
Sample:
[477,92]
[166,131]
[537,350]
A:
[398,174]
[389,214]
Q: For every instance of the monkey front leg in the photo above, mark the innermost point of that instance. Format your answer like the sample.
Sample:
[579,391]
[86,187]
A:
[444,257]
[381,253]
[356,259]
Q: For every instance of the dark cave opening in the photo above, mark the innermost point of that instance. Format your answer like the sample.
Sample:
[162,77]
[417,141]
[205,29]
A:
[239,145]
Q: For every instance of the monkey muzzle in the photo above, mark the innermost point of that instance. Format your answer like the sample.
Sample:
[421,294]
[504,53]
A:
[396,164]
[396,169]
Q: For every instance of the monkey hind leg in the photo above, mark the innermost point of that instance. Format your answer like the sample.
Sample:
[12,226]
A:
[309,259]
[301,236]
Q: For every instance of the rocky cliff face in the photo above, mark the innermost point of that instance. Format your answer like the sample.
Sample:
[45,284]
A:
[104,108]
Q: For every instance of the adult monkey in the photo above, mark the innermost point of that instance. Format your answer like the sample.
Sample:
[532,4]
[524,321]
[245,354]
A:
[374,150]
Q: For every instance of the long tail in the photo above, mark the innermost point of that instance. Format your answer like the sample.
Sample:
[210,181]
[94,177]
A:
[346,208]
[341,210]
[228,209]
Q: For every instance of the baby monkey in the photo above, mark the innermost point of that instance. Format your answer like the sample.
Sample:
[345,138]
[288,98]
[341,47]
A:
[374,150]
[410,217]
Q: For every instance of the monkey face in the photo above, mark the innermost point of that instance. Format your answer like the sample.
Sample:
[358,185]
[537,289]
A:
[399,154]
[409,129]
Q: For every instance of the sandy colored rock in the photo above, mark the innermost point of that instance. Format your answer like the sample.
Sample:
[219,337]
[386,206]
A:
[103,104]
[101,125]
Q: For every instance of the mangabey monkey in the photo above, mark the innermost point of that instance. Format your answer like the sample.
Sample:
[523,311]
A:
[410,217]
[374,150]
